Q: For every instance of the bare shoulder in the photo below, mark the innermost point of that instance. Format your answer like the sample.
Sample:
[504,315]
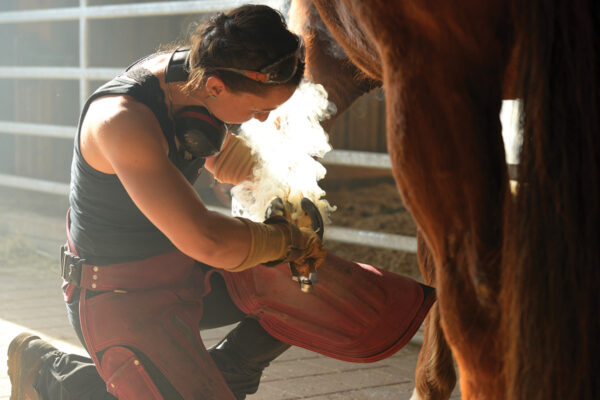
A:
[113,114]
[114,124]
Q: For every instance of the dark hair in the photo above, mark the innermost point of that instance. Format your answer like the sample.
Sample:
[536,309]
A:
[248,37]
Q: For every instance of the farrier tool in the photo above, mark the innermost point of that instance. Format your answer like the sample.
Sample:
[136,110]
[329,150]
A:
[305,275]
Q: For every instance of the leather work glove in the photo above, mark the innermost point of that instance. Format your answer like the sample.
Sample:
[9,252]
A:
[303,269]
[235,163]
[278,240]
[285,209]
[305,247]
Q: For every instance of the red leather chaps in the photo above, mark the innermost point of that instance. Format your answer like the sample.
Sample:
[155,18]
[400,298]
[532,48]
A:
[355,313]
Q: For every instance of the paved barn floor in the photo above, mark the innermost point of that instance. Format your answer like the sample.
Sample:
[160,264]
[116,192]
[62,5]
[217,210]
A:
[30,299]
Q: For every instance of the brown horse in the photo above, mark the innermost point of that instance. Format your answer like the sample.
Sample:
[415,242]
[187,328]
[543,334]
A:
[517,275]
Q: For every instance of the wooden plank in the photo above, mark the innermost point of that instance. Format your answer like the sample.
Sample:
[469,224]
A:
[362,126]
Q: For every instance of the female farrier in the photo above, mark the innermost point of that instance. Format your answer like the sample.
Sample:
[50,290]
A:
[137,222]
[147,264]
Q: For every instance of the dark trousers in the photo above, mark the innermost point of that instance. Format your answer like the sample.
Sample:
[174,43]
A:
[73,377]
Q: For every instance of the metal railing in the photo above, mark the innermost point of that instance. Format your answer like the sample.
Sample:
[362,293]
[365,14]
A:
[85,13]
[336,233]
[84,74]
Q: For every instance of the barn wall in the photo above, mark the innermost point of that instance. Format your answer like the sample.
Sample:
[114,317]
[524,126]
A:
[112,43]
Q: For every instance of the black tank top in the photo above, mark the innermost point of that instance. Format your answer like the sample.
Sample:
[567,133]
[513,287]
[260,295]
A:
[106,226]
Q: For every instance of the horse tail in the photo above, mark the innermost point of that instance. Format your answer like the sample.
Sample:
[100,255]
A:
[551,277]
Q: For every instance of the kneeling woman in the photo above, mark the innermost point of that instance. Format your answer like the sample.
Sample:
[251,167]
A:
[141,239]
[147,264]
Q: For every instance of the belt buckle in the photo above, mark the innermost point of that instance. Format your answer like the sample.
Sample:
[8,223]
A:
[70,266]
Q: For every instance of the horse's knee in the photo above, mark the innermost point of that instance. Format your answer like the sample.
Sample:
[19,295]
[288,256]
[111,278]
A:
[125,376]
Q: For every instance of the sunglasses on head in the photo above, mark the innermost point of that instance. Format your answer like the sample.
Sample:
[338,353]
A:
[280,71]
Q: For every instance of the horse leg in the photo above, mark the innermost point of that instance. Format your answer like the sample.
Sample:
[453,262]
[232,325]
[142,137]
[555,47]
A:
[456,199]
[435,377]
[326,61]
[327,64]
[443,67]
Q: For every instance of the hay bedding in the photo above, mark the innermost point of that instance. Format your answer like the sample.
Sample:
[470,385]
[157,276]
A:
[374,205]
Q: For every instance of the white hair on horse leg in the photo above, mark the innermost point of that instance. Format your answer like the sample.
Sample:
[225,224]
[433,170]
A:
[415,395]
[286,145]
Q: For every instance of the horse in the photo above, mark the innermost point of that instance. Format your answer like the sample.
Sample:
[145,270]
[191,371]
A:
[516,272]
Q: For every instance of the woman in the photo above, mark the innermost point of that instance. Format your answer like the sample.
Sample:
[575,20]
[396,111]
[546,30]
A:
[140,238]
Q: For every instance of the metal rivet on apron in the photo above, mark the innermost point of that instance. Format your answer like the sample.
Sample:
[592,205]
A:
[136,362]
[94,277]
[95,268]
[93,286]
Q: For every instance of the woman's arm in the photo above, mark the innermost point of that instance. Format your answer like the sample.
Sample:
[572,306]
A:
[123,137]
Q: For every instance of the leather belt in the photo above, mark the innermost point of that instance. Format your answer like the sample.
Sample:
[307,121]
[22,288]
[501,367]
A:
[172,268]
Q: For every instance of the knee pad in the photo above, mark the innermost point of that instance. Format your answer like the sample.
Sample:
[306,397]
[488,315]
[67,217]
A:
[125,376]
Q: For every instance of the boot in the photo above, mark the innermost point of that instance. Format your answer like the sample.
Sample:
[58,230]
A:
[25,354]
[243,355]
